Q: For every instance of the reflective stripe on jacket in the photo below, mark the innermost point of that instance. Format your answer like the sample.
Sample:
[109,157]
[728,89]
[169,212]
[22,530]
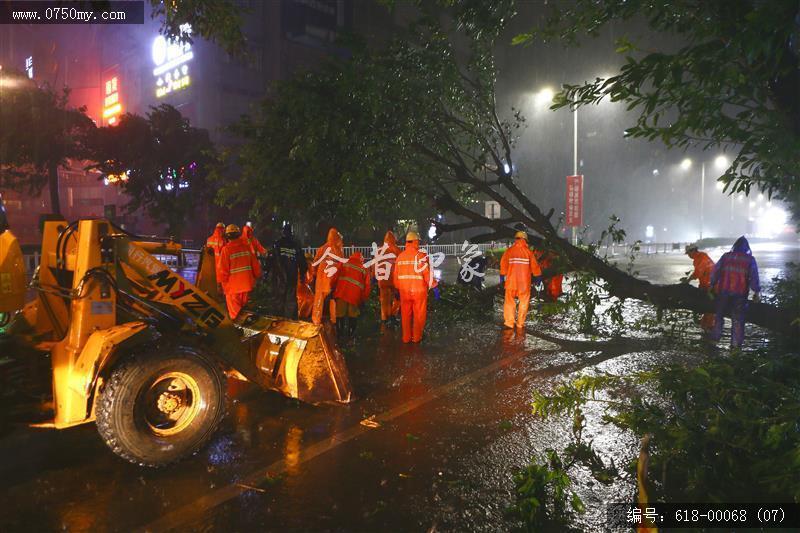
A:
[238,266]
[412,271]
[736,273]
[216,242]
[352,281]
[518,264]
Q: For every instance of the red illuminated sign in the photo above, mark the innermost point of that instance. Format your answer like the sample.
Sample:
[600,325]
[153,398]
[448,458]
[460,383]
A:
[112,107]
[575,201]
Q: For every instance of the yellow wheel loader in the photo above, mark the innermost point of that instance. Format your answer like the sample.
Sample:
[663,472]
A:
[145,353]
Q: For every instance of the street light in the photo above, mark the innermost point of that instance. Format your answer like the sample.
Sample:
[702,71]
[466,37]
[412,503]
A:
[720,162]
[545,96]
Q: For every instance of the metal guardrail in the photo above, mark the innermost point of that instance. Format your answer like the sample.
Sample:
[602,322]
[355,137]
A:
[449,250]
[190,258]
[651,248]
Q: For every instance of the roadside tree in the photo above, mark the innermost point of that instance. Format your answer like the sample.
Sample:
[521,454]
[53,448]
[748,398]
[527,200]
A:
[38,133]
[161,162]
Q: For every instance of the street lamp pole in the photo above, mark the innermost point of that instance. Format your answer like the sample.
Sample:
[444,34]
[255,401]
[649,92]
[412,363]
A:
[574,161]
[702,196]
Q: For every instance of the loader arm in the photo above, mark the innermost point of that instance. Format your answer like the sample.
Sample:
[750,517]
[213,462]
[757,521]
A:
[295,358]
[200,311]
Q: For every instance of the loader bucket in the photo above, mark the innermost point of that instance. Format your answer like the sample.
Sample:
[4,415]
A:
[298,359]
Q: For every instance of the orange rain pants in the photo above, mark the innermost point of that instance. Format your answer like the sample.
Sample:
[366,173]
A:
[390,305]
[414,312]
[510,307]
[235,302]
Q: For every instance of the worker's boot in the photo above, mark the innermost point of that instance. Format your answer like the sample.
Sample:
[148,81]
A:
[352,322]
[340,330]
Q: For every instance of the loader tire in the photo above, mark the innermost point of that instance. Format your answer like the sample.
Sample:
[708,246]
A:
[158,409]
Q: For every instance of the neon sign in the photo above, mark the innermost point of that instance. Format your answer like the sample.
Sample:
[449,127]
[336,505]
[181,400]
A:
[116,178]
[29,66]
[111,104]
[171,60]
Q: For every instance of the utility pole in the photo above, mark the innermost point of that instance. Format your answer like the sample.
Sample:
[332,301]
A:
[702,196]
[575,161]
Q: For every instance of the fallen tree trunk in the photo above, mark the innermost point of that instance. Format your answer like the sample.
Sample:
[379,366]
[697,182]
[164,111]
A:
[620,283]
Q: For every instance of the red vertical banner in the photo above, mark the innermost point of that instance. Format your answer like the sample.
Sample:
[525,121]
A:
[575,201]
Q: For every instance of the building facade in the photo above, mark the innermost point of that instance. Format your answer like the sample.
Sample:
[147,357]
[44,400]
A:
[112,70]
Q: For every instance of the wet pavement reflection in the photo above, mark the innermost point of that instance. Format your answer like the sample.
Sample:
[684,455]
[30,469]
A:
[451,424]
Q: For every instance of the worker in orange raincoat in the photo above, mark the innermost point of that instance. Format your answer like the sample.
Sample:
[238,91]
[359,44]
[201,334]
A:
[413,277]
[305,295]
[390,305]
[327,261]
[239,269]
[351,289]
[703,267]
[215,244]
[247,233]
[552,285]
[517,266]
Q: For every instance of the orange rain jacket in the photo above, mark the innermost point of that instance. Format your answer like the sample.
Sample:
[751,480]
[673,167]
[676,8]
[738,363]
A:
[335,245]
[703,267]
[392,248]
[216,242]
[553,284]
[412,271]
[238,266]
[247,233]
[305,296]
[352,281]
[518,264]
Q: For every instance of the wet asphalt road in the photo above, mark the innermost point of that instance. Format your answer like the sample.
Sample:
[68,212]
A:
[454,424]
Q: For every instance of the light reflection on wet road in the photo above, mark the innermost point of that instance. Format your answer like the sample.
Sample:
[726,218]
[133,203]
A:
[445,464]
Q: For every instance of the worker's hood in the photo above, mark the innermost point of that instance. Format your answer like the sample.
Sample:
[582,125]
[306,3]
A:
[390,239]
[219,233]
[333,236]
[357,258]
[247,232]
[741,245]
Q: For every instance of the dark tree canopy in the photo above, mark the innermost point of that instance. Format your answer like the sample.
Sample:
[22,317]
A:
[421,115]
[310,153]
[163,163]
[734,82]
[216,20]
[38,133]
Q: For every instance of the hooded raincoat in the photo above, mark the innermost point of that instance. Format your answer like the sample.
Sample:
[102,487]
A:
[734,275]
[390,304]
[327,262]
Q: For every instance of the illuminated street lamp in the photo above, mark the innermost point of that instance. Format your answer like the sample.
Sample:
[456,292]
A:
[720,162]
[545,96]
